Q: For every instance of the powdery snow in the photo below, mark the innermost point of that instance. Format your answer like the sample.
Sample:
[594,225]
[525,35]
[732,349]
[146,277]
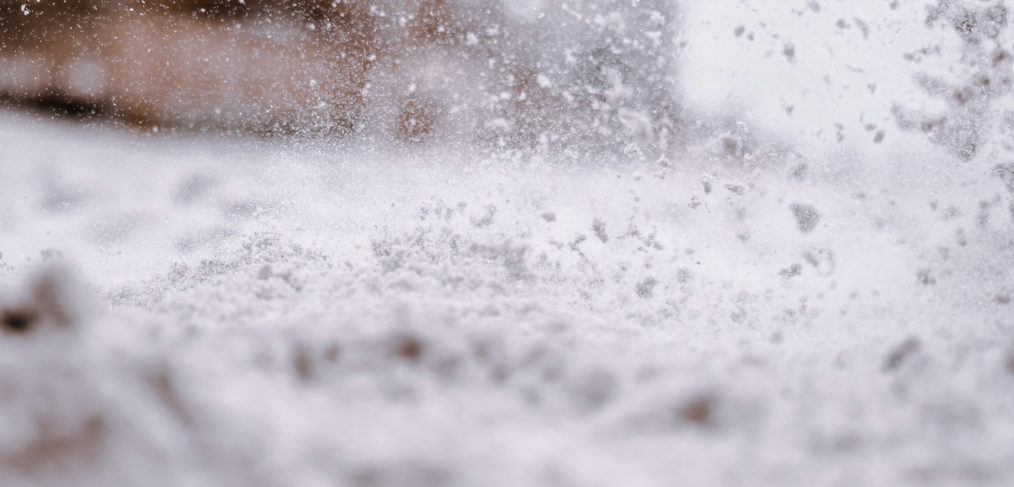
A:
[241,312]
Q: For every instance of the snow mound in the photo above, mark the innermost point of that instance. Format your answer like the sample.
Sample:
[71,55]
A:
[384,321]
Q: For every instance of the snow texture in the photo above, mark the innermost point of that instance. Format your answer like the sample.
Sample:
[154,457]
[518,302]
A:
[247,313]
[484,243]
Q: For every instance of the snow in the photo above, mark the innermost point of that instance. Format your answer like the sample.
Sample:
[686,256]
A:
[252,312]
[507,243]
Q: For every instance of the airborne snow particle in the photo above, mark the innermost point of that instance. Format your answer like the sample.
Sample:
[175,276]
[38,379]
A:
[737,189]
[902,353]
[799,172]
[791,271]
[806,217]
[599,229]
[1006,173]
[684,275]
[646,287]
[790,52]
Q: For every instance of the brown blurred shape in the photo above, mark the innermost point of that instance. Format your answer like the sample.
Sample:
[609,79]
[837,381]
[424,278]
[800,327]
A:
[260,65]
[506,73]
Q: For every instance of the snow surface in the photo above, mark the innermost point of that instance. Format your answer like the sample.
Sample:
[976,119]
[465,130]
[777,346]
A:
[248,312]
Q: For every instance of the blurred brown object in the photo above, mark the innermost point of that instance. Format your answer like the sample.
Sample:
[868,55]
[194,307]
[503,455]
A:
[255,65]
[510,73]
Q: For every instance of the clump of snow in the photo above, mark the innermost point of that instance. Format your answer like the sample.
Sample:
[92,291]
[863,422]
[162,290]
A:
[806,217]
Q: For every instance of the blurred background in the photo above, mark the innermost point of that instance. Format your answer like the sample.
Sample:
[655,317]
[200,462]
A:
[525,73]
[645,76]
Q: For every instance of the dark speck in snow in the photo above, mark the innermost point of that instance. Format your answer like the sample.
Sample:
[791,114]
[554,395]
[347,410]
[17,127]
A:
[18,321]
[806,217]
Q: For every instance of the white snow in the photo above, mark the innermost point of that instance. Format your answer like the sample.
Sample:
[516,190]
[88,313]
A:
[718,243]
[270,313]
